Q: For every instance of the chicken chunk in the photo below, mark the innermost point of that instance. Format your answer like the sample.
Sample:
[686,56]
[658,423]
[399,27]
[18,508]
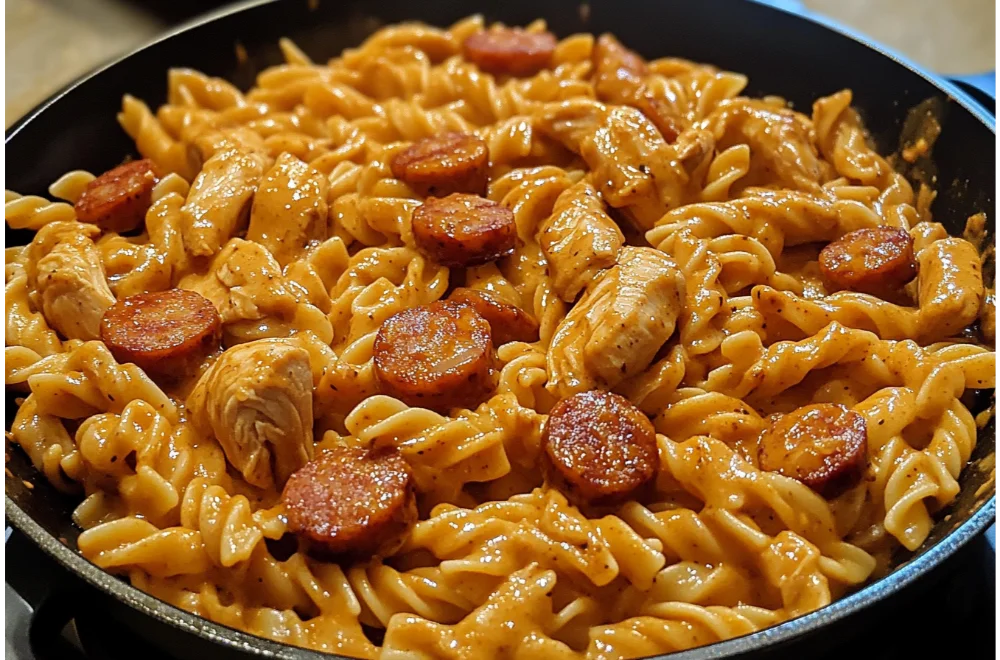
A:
[244,282]
[256,399]
[219,199]
[619,324]
[579,240]
[65,269]
[620,77]
[253,297]
[204,143]
[951,288]
[782,143]
[635,169]
[289,209]
[618,71]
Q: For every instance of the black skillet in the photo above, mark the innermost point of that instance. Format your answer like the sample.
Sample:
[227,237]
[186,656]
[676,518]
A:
[781,53]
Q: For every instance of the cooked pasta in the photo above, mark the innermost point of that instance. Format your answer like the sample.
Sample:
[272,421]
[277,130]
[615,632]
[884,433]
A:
[684,364]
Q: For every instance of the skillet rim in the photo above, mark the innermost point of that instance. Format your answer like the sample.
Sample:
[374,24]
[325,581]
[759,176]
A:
[941,82]
[767,639]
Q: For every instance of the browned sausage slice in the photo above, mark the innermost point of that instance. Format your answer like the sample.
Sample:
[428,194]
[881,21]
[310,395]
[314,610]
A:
[351,501]
[507,322]
[599,448]
[118,199]
[437,356]
[464,230]
[877,261]
[825,446]
[510,51]
[166,333]
[441,165]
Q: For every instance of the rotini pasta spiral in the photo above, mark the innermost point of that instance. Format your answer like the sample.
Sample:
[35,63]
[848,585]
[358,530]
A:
[445,454]
[34,212]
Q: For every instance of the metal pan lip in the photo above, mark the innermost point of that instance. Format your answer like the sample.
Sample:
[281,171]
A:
[944,84]
[208,17]
[952,90]
[769,638]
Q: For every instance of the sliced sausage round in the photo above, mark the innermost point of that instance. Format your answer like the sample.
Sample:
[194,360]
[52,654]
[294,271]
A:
[166,333]
[825,446]
[351,501]
[118,199]
[444,164]
[877,261]
[463,230]
[598,448]
[510,51]
[436,356]
[507,322]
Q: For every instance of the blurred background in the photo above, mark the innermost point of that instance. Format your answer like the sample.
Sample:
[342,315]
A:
[51,42]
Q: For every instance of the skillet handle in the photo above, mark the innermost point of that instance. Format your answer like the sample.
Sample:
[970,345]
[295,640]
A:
[48,621]
[978,94]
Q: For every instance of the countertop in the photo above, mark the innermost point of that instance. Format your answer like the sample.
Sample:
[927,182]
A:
[51,42]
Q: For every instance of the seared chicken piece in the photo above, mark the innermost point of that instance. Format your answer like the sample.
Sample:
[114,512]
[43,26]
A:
[244,282]
[64,267]
[621,77]
[619,324]
[257,401]
[219,199]
[634,168]
[618,71]
[782,143]
[254,299]
[951,289]
[203,144]
[579,240]
[289,209]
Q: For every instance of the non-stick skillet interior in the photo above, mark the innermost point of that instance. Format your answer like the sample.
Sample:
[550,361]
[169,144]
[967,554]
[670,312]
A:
[781,54]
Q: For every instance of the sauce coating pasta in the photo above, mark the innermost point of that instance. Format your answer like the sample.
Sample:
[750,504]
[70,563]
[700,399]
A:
[767,443]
